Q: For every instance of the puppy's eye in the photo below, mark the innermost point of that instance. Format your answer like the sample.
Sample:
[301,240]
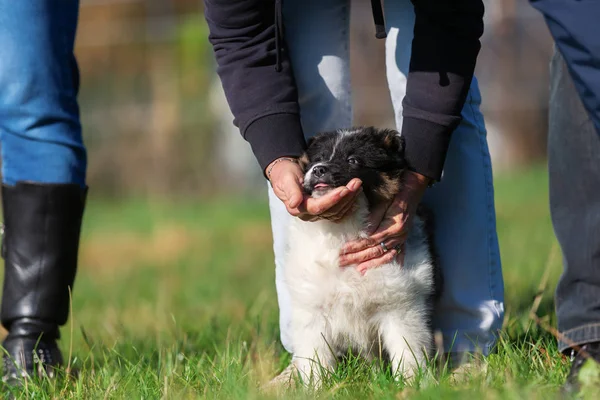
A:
[352,160]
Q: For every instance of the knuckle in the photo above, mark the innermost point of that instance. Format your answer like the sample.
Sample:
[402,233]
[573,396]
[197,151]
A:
[396,229]
[352,260]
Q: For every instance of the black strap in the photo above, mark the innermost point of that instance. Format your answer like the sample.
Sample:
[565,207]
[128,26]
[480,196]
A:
[378,18]
[278,34]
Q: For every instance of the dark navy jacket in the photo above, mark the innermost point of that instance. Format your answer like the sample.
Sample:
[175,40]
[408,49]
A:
[260,88]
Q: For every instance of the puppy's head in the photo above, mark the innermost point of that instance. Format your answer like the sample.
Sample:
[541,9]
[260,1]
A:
[376,156]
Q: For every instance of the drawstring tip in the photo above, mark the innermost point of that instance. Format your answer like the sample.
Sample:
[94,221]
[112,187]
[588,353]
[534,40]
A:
[380,32]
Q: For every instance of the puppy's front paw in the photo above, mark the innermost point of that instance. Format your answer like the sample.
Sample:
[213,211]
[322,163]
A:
[285,380]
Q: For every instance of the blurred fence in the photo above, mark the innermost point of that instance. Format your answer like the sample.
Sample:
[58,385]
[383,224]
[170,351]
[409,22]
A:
[156,122]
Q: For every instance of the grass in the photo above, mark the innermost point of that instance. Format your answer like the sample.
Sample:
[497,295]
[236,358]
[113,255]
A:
[178,301]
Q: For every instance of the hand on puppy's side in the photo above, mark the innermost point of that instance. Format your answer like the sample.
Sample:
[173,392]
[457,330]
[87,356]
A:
[286,178]
[390,225]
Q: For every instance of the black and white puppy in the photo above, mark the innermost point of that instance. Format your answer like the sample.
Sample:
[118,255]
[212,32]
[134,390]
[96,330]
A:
[388,310]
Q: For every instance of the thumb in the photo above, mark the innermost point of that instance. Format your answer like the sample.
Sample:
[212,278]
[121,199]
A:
[376,217]
[293,193]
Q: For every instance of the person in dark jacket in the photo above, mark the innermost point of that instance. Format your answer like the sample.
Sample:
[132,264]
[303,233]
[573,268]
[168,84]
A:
[574,171]
[43,178]
[285,70]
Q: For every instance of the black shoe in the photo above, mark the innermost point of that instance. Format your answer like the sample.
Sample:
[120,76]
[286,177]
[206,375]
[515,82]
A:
[578,359]
[26,357]
[42,223]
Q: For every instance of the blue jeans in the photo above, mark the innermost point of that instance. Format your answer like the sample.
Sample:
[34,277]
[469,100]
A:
[574,164]
[574,169]
[471,309]
[40,131]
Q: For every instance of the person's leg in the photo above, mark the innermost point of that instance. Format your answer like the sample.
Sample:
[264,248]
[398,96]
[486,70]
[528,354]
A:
[574,27]
[317,37]
[43,175]
[574,168]
[40,130]
[471,308]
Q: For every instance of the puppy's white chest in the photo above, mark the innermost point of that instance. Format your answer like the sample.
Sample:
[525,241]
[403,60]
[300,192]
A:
[345,307]
[315,279]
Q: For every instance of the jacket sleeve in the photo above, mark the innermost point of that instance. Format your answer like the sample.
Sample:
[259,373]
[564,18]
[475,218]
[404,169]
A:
[263,100]
[574,27]
[444,52]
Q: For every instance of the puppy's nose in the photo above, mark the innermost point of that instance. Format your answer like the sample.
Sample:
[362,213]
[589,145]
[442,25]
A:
[319,170]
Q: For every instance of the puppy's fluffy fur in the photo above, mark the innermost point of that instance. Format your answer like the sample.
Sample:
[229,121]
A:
[388,310]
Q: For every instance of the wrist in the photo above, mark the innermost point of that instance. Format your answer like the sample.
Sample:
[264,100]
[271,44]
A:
[412,188]
[415,180]
[278,162]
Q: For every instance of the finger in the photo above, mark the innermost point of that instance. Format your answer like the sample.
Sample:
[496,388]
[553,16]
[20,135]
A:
[308,217]
[357,245]
[388,229]
[354,184]
[289,191]
[371,252]
[339,211]
[394,243]
[335,213]
[339,215]
[367,254]
[377,262]
[293,211]
[293,192]
[318,206]
[333,198]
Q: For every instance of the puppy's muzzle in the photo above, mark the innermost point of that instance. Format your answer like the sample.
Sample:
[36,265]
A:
[319,171]
[318,180]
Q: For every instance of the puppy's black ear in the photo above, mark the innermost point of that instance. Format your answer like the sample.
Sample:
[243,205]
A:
[393,142]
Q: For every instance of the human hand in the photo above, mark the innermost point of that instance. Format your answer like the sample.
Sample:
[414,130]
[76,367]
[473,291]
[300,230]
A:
[390,224]
[286,179]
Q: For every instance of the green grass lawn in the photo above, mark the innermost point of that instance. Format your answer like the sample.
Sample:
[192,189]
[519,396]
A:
[178,300]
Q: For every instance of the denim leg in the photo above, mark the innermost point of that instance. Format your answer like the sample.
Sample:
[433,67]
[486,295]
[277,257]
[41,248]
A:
[317,37]
[574,167]
[574,28]
[40,129]
[471,308]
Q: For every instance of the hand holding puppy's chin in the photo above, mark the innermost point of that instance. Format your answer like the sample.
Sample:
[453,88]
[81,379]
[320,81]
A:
[390,224]
[286,178]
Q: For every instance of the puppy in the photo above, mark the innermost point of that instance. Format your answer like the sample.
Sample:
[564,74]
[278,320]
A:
[388,310]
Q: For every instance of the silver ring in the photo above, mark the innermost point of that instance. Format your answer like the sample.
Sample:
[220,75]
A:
[383,246]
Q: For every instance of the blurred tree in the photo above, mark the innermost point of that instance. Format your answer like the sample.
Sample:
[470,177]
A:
[155,121]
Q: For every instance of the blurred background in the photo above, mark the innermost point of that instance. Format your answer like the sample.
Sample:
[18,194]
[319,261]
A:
[176,261]
[157,125]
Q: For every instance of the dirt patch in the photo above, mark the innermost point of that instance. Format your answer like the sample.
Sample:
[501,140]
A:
[164,246]
[112,251]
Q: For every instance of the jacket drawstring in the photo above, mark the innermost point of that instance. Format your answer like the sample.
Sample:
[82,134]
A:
[278,34]
[378,18]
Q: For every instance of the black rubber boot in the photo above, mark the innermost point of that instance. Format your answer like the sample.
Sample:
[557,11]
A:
[578,359]
[42,223]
